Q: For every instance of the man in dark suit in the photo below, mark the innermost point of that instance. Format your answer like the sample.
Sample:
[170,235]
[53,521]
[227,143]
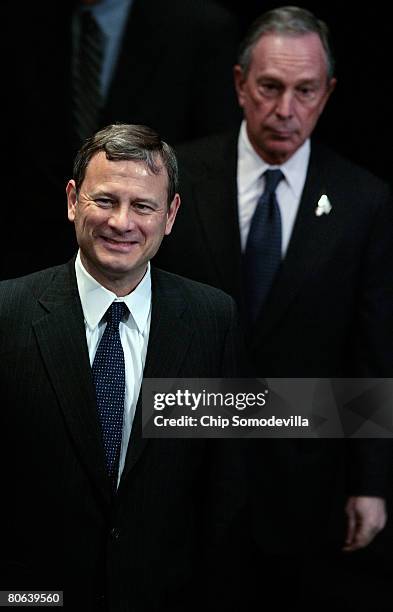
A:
[166,65]
[89,506]
[327,310]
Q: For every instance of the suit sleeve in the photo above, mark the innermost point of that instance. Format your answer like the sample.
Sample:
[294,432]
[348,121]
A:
[375,338]
[226,479]
[235,360]
[370,460]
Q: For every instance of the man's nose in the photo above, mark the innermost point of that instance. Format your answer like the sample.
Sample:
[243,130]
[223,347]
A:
[121,219]
[285,104]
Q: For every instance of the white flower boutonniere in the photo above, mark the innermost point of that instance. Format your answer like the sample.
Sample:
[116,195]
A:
[323,207]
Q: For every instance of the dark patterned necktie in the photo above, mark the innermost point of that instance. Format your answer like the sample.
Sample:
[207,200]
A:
[109,379]
[87,77]
[262,256]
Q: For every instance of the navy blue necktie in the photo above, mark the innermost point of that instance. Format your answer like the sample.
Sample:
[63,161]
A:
[109,379]
[262,256]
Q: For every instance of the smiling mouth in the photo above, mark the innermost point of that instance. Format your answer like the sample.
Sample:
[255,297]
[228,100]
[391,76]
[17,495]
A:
[121,245]
[114,241]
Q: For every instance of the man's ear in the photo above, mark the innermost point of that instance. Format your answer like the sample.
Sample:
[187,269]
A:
[329,90]
[171,215]
[332,85]
[71,199]
[239,79]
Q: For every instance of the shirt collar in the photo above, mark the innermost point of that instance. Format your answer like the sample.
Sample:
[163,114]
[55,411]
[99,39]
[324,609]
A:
[110,15]
[95,299]
[253,166]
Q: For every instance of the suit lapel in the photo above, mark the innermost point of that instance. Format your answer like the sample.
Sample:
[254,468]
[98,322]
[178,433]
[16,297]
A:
[308,246]
[61,337]
[169,341]
[216,207]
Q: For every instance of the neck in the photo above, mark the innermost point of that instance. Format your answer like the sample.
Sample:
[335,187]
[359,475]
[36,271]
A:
[119,285]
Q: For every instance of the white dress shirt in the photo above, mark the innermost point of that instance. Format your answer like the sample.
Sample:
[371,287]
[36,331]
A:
[134,335]
[251,183]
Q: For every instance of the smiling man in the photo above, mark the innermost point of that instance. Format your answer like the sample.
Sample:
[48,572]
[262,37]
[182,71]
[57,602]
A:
[121,208]
[90,507]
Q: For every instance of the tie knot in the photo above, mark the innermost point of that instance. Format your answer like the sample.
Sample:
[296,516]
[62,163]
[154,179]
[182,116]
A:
[272,178]
[115,313]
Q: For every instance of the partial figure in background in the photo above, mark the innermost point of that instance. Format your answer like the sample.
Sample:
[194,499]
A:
[302,239]
[83,65]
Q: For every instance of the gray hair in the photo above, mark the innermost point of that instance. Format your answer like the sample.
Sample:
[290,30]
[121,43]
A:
[129,142]
[287,20]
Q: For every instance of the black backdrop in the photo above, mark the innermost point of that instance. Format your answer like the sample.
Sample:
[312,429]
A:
[356,122]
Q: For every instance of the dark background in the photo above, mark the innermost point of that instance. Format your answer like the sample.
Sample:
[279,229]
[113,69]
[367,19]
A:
[35,55]
[356,122]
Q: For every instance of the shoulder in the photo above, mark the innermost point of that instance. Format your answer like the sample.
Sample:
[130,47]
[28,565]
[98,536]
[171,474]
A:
[361,197]
[26,289]
[197,296]
[204,16]
[207,152]
[202,25]
[346,172]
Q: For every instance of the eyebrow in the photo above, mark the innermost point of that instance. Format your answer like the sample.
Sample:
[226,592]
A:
[309,81]
[146,201]
[113,196]
[271,78]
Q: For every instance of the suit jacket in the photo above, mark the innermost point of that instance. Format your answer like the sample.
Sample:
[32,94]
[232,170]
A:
[328,314]
[60,528]
[174,74]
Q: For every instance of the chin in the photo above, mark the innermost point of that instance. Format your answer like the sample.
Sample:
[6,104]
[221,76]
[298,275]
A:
[281,152]
[114,263]
[119,268]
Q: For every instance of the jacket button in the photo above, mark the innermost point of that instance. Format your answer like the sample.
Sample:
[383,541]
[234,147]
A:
[115,533]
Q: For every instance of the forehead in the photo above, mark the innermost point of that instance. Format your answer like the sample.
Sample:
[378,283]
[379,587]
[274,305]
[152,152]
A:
[101,172]
[300,56]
